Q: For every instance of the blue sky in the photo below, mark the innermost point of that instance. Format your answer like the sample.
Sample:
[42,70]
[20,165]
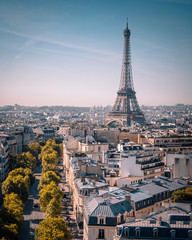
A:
[70,52]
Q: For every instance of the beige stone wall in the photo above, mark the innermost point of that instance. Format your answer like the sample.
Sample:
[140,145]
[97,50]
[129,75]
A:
[92,232]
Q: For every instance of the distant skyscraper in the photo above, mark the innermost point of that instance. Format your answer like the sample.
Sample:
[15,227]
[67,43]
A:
[126,107]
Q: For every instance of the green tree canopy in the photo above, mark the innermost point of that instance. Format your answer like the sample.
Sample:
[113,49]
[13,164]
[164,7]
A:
[49,160]
[27,160]
[182,195]
[17,184]
[14,159]
[8,231]
[48,177]
[12,212]
[23,172]
[47,193]
[53,208]
[58,147]
[35,149]
[53,229]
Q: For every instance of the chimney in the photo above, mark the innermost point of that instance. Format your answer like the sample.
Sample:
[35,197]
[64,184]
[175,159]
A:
[128,198]
[159,220]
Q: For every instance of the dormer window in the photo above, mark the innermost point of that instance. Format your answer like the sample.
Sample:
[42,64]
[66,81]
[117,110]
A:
[137,232]
[155,232]
[126,232]
[190,234]
[101,220]
[173,233]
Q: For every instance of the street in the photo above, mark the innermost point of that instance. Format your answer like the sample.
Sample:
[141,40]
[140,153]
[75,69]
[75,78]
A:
[67,212]
[32,216]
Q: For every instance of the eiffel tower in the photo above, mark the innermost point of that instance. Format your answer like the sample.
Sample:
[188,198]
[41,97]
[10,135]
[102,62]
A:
[126,107]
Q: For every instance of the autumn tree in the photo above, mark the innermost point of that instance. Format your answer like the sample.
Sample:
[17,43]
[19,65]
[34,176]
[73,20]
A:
[53,229]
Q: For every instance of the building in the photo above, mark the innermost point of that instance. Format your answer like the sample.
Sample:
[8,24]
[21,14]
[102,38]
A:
[4,160]
[172,223]
[102,214]
[83,188]
[179,165]
[140,163]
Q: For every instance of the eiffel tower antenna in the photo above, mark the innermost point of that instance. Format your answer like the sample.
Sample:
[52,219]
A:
[126,107]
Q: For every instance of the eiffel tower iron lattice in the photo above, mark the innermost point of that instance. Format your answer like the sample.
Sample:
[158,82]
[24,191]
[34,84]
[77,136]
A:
[126,107]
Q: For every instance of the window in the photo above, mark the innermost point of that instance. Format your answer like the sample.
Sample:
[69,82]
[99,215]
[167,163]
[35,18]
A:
[126,232]
[101,221]
[155,232]
[101,233]
[190,234]
[173,232]
[137,232]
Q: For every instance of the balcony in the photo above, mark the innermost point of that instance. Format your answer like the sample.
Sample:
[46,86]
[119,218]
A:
[155,166]
[153,160]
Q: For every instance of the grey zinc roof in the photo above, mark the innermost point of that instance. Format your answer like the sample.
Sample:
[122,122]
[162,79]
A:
[155,186]
[89,184]
[135,196]
[109,207]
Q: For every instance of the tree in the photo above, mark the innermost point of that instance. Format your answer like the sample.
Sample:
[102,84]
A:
[49,192]
[35,149]
[48,177]
[55,145]
[17,184]
[12,212]
[27,160]
[49,159]
[23,172]
[53,209]
[8,232]
[182,195]
[14,159]
[53,229]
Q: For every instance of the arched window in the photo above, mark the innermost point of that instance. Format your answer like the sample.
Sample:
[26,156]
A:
[126,232]
[155,232]
[173,233]
[190,234]
[137,232]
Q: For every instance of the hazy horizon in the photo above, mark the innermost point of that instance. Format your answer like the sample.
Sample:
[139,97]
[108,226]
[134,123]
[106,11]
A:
[69,53]
[88,106]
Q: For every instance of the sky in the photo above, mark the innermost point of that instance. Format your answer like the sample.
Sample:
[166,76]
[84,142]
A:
[69,52]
